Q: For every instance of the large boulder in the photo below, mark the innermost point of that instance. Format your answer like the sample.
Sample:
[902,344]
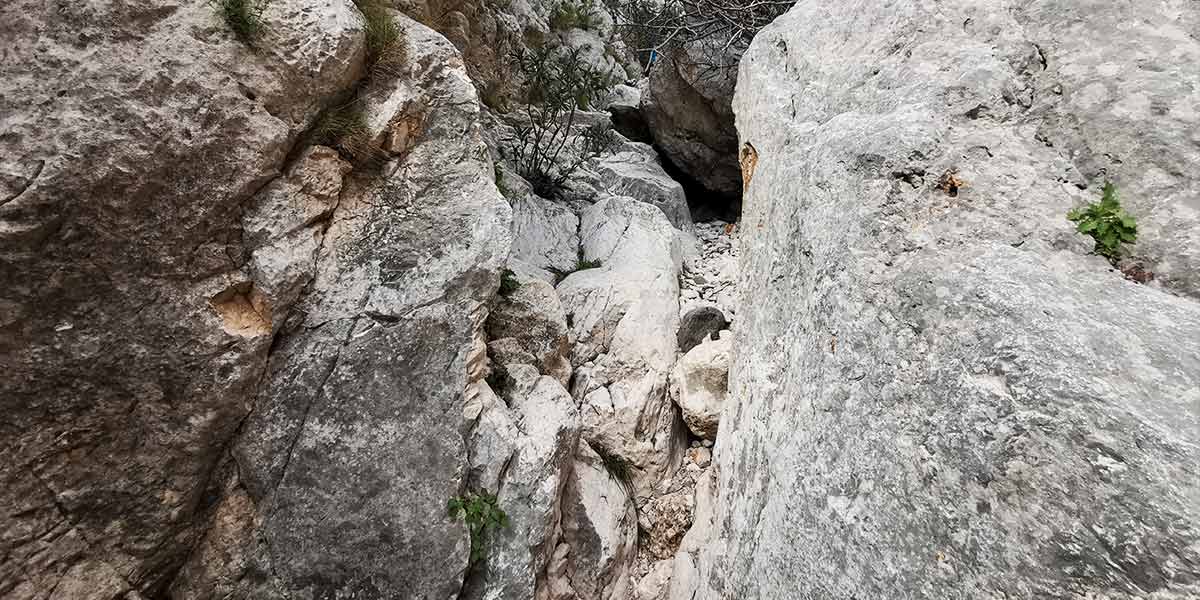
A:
[634,171]
[939,392]
[356,441]
[528,325]
[699,384]
[699,324]
[599,533]
[132,330]
[687,105]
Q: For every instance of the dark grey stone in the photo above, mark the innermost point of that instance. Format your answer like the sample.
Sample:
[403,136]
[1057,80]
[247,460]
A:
[698,324]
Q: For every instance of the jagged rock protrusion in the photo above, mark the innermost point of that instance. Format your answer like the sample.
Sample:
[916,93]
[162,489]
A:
[687,104]
[528,325]
[623,315]
[699,384]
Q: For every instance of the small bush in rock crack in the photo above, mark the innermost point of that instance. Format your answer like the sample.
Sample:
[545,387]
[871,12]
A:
[344,128]
[572,14]
[385,46]
[1107,223]
[508,283]
[551,146]
[481,515]
[244,17]
[617,467]
[583,265]
[713,27]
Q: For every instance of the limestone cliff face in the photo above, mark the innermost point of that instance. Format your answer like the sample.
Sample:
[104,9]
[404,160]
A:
[131,333]
[937,392]
[229,354]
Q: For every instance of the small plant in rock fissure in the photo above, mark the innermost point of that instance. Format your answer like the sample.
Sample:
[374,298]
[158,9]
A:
[1107,223]
[344,128]
[571,14]
[385,46]
[583,265]
[552,146]
[482,516]
[508,283]
[617,467]
[244,17]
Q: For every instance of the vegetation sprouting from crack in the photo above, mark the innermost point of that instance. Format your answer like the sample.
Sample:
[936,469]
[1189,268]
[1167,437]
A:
[508,283]
[482,515]
[1107,223]
[552,144]
[616,466]
[345,129]
[574,14]
[385,44]
[244,17]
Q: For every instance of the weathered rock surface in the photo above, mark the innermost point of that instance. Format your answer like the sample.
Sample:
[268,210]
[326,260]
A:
[372,453]
[699,324]
[634,171]
[132,331]
[687,105]
[622,316]
[939,393]
[699,384]
[530,320]
[599,531]
[545,232]
[530,482]
[686,583]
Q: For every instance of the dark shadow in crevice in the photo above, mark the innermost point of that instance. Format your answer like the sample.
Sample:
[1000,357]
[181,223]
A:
[704,204]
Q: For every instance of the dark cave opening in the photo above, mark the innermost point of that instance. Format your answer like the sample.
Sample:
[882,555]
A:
[704,204]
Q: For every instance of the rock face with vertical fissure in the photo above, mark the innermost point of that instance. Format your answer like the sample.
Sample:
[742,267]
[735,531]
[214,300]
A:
[132,329]
[937,392]
[355,443]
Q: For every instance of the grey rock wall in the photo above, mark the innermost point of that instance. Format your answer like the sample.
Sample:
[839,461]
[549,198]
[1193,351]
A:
[938,392]
[132,336]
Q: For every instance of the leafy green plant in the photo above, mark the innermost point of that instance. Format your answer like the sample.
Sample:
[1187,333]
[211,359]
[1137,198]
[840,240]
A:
[482,516]
[574,14]
[244,17]
[1107,223]
[508,283]
[559,83]
[385,45]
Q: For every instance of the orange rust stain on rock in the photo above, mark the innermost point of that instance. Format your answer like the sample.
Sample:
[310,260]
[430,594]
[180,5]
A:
[243,310]
[748,158]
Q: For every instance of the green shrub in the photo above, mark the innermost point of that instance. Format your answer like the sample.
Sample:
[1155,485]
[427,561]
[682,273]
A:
[482,516]
[1107,223]
[550,147]
[587,264]
[508,283]
[345,128]
[244,17]
[385,45]
[571,14]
